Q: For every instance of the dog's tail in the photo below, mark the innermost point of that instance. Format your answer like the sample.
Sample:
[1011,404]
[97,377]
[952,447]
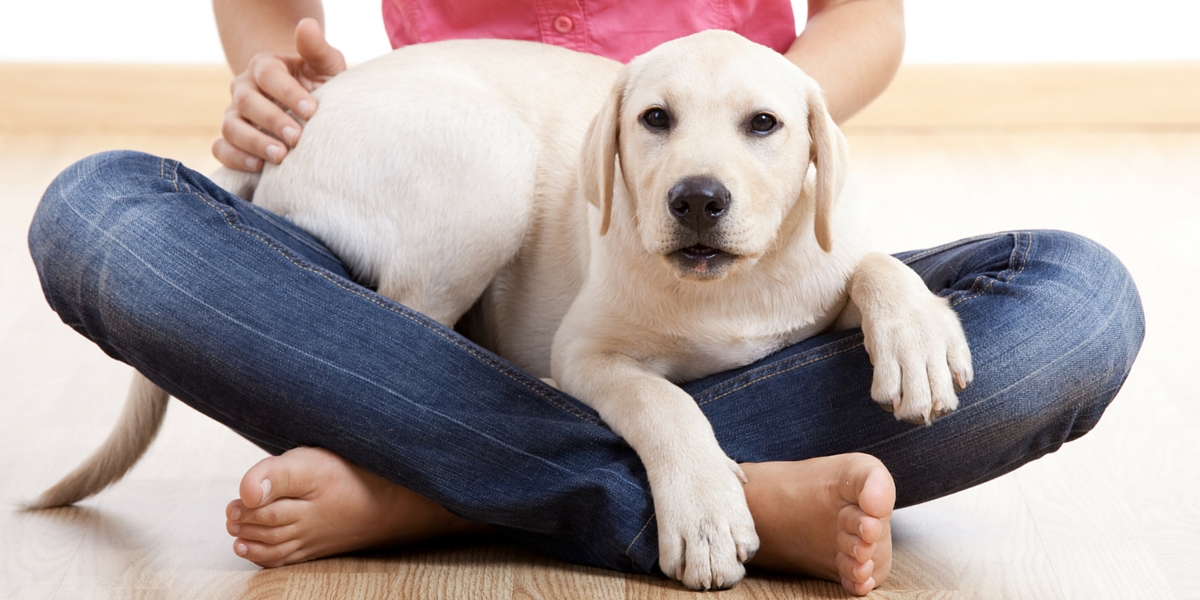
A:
[142,416]
[135,429]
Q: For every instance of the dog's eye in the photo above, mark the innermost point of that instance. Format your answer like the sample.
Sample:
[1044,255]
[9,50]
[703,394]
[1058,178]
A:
[656,118]
[762,123]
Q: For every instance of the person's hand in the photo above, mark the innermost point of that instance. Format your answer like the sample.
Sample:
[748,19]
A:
[256,126]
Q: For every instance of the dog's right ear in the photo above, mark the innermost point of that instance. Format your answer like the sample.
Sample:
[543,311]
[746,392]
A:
[831,155]
[598,163]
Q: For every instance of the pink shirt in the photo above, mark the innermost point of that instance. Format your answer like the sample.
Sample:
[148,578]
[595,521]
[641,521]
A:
[618,29]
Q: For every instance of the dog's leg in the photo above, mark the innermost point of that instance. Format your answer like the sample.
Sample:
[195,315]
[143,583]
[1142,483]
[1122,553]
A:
[915,340]
[705,531]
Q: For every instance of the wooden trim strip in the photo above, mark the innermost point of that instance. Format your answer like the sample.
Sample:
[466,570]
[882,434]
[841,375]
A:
[64,98]
[1101,96]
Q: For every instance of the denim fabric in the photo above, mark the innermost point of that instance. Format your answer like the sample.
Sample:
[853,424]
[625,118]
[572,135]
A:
[253,322]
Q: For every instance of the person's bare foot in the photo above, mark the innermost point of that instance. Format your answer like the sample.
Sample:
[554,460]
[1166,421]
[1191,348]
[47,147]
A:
[310,503]
[826,517]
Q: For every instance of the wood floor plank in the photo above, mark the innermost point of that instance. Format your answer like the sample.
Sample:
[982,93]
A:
[459,571]
[963,543]
[367,586]
[547,579]
[37,551]
[1094,541]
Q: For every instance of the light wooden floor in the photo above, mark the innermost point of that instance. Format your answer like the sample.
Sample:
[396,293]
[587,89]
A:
[1114,515]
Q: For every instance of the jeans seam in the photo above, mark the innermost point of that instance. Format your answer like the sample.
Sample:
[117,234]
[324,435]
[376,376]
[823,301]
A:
[756,376]
[489,362]
[1025,457]
[1015,267]
[954,244]
[639,534]
[274,219]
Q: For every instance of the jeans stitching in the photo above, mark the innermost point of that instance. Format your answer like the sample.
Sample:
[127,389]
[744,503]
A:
[954,244]
[274,220]
[1024,458]
[747,379]
[639,534]
[1011,385]
[1015,267]
[500,368]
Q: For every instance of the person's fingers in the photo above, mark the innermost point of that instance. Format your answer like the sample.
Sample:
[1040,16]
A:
[249,139]
[272,85]
[320,59]
[234,158]
[272,77]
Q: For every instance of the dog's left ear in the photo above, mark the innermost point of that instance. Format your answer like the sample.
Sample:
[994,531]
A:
[598,164]
[830,154]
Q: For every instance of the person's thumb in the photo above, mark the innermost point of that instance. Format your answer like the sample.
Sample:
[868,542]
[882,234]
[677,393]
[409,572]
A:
[318,55]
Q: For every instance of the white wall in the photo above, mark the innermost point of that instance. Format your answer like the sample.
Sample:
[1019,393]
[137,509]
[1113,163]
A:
[171,31]
[939,31]
[1030,31]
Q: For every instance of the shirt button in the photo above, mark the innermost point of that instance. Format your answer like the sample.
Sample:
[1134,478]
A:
[563,23]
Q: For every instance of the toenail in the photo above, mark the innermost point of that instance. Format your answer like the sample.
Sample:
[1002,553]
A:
[235,514]
[266,488]
[860,531]
[235,528]
[242,549]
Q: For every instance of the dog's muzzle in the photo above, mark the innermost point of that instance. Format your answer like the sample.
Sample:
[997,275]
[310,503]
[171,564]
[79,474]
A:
[699,204]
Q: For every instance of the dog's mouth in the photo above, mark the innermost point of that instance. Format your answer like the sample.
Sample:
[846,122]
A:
[701,262]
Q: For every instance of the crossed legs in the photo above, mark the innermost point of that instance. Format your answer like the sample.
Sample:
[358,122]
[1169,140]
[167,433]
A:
[251,321]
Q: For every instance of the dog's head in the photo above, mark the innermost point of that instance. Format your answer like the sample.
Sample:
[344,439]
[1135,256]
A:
[714,136]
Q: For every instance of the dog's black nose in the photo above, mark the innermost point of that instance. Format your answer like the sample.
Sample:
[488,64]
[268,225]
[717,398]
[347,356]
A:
[698,202]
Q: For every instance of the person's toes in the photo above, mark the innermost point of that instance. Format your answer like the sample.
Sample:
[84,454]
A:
[268,555]
[852,520]
[284,511]
[859,589]
[289,475]
[854,546]
[869,529]
[267,535]
[853,570]
[235,510]
[875,493]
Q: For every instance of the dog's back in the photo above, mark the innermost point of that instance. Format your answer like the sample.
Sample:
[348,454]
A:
[422,168]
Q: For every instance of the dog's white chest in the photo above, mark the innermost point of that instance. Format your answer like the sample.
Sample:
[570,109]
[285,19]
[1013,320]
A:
[731,346]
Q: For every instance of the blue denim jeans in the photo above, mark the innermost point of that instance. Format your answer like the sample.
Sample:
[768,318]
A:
[252,321]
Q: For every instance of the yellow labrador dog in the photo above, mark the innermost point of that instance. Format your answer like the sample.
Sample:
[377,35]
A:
[692,228]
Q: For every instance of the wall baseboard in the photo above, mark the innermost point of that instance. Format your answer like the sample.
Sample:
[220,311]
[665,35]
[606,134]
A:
[65,98]
[1076,96]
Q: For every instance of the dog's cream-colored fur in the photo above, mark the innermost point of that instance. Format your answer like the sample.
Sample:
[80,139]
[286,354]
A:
[515,189]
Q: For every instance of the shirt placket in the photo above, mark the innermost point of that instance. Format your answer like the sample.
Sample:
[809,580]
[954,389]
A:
[563,23]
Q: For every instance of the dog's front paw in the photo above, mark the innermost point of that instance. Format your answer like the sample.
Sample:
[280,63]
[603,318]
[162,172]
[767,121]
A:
[705,531]
[920,356]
